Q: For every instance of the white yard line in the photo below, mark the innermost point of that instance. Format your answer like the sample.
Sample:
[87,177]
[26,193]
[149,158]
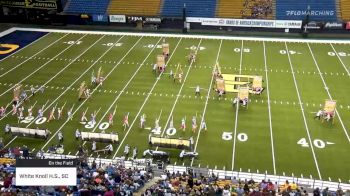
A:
[327,90]
[303,114]
[236,119]
[8,71]
[125,86]
[94,90]
[143,104]
[41,67]
[206,101]
[178,94]
[77,79]
[269,107]
[24,47]
[341,61]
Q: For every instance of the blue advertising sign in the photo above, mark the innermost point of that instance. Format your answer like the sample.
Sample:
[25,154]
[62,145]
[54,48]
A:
[99,18]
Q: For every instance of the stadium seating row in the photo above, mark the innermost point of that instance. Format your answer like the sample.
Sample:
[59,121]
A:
[269,9]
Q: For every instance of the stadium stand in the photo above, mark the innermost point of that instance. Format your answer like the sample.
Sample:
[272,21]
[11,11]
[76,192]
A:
[319,10]
[135,7]
[229,8]
[261,9]
[204,8]
[183,183]
[86,6]
[345,9]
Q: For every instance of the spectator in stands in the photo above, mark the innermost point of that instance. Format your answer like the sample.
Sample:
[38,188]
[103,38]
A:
[25,152]
[317,192]
[1,143]
[340,192]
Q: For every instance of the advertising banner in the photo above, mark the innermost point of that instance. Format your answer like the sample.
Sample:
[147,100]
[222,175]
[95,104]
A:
[154,20]
[99,18]
[283,24]
[117,18]
[35,4]
[333,25]
[132,19]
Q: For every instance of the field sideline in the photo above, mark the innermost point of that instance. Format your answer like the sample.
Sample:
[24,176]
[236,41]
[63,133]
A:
[276,134]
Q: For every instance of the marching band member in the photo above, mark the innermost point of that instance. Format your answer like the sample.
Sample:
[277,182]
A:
[23,96]
[2,109]
[83,117]
[197,91]
[93,118]
[126,150]
[110,119]
[40,113]
[20,111]
[142,121]
[14,109]
[126,121]
[156,123]
[203,125]
[59,113]
[7,128]
[180,77]
[134,153]
[32,89]
[155,68]
[171,74]
[244,102]
[191,140]
[171,123]
[70,114]
[77,134]
[52,114]
[30,111]
[319,114]
[183,124]
[93,146]
[194,124]
[60,136]
[109,148]
[182,153]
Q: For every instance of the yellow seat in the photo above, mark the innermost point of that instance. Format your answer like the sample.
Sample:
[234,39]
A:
[229,8]
[135,7]
[345,9]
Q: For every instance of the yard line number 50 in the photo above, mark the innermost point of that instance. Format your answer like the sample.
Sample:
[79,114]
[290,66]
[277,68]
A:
[242,137]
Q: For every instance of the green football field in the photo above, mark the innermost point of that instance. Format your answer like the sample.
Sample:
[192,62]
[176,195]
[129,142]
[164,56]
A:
[276,133]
